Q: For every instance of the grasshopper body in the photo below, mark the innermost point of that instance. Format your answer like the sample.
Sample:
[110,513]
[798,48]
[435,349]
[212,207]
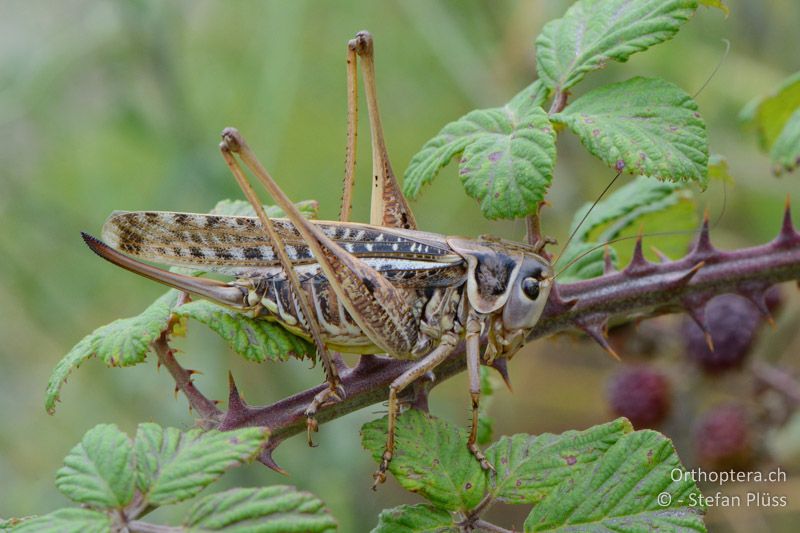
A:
[432,274]
[378,288]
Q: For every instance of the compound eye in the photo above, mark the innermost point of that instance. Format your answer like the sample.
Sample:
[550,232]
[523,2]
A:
[530,286]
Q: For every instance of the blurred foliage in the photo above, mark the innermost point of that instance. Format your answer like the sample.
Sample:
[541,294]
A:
[118,105]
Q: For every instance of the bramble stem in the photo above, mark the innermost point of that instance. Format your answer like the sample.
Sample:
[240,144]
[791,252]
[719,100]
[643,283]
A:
[209,413]
[644,289]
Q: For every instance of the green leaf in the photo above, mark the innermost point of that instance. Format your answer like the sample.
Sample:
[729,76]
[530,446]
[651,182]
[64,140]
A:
[172,466]
[643,203]
[624,490]
[430,458]
[254,339]
[276,509]
[594,32]
[308,208]
[99,470]
[642,126]
[415,519]
[67,521]
[124,342]
[719,4]
[718,169]
[507,156]
[771,113]
[785,153]
[530,467]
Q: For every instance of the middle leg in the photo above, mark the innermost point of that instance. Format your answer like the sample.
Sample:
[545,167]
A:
[473,348]
[429,362]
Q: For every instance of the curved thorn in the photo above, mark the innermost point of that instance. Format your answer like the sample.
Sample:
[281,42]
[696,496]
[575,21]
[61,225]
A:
[266,459]
[595,331]
[703,245]
[757,296]
[684,279]
[501,365]
[787,235]
[698,314]
[235,401]
[639,264]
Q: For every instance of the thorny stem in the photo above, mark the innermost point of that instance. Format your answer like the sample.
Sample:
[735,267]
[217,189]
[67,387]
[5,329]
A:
[643,289]
[208,411]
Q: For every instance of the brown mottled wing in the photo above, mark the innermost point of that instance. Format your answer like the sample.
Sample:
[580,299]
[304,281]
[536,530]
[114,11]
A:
[235,245]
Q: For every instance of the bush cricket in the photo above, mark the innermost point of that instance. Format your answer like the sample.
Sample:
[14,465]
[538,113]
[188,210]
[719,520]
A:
[378,288]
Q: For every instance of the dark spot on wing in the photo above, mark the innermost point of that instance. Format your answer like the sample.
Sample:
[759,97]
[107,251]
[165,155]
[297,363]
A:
[131,248]
[252,253]
[196,252]
[370,286]
[181,218]
[212,221]
[223,254]
[131,237]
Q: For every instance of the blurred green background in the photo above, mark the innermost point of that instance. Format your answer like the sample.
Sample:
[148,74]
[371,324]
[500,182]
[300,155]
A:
[118,105]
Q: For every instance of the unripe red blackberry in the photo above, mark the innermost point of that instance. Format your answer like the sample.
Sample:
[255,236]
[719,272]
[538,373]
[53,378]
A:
[641,394]
[722,438]
[733,322]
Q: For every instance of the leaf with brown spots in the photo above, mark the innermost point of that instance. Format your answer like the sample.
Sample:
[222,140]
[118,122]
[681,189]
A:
[645,126]
[431,458]
[507,155]
[637,484]
[530,466]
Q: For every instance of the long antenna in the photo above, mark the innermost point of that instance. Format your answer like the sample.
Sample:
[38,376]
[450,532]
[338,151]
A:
[583,219]
[719,65]
[677,232]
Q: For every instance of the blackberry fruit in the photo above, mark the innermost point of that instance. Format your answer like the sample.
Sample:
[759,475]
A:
[722,438]
[641,394]
[733,322]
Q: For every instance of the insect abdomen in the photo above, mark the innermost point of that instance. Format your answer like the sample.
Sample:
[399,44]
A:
[434,312]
